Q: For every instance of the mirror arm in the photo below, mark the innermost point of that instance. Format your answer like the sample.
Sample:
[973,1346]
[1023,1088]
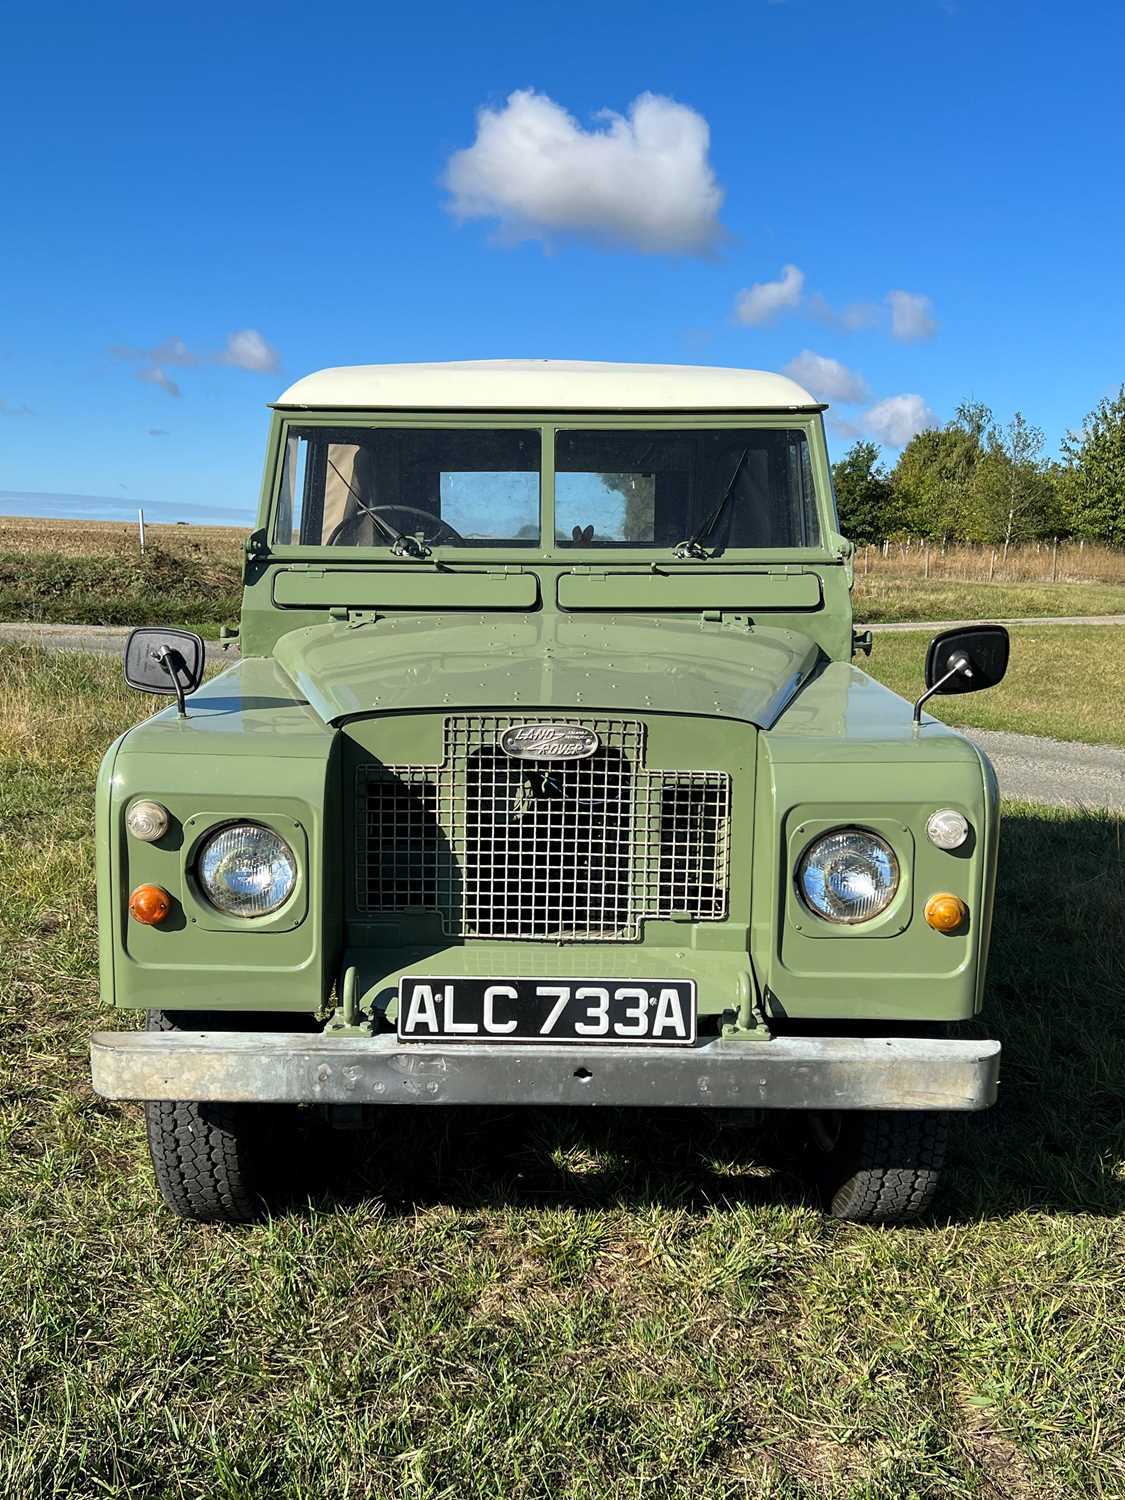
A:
[169,660]
[960,665]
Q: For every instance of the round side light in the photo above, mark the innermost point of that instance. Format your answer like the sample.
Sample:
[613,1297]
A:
[945,912]
[150,905]
[947,828]
[147,820]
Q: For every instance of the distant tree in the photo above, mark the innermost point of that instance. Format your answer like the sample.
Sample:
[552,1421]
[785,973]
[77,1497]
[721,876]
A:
[1094,485]
[934,479]
[975,418]
[866,498]
[1017,498]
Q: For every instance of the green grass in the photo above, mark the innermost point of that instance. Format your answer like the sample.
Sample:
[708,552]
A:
[159,588]
[536,1304]
[877,599]
[1060,682]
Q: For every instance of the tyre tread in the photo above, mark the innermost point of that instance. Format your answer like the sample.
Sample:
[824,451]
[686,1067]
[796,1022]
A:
[206,1157]
[893,1169]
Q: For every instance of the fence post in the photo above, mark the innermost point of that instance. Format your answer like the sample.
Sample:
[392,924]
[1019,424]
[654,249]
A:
[992,565]
[926,559]
[1055,560]
[866,558]
[141,527]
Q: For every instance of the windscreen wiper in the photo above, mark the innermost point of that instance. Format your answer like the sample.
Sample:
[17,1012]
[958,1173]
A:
[693,546]
[402,545]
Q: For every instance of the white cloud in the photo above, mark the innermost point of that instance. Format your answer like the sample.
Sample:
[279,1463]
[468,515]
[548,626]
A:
[766,299]
[828,379]
[248,350]
[156,375]
[858,315]
[853,317]
[897,419]
[643,181]
[245,349]
[912,316]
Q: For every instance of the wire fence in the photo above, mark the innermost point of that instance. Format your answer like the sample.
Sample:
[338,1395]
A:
[1049,561]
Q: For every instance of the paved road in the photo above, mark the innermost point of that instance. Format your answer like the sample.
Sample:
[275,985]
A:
[1036,620]
[1036,770]
[1029,768]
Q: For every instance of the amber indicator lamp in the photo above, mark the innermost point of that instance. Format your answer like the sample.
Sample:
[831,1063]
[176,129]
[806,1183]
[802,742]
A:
[150,905]
[945,912]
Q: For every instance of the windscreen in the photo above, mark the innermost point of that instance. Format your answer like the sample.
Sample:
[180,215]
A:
[725,487]
[366,487]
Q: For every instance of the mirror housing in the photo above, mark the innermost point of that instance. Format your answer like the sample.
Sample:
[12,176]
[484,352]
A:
[164,661]
[983,648]
[964,660]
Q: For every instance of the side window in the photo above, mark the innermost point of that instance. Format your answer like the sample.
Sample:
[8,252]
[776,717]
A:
[803,489]
[287,528]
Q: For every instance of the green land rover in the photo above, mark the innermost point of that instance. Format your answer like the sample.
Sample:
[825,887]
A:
[545,777]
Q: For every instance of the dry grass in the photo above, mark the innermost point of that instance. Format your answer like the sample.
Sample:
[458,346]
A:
[1028,562]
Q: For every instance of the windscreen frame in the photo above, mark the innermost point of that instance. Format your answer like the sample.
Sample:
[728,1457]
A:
[829,548]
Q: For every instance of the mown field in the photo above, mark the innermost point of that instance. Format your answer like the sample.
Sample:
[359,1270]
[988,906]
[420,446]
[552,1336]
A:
[509,1305]
[1063,681]
[876,600]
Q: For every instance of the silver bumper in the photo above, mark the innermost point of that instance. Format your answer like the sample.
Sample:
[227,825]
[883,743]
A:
[786,1073]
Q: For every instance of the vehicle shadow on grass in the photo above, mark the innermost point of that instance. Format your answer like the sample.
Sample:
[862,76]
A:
[1054,1143]
[550,1158]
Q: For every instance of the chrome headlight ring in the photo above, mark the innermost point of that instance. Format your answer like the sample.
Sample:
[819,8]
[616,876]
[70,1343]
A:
[246,870]
[848,876]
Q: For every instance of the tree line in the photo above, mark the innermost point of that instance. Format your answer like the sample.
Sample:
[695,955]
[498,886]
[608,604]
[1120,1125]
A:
[975,480]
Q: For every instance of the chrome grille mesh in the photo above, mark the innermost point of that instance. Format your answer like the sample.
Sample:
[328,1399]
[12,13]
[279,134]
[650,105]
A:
[548,849]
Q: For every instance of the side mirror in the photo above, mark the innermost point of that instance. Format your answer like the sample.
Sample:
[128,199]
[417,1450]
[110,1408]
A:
[164,661]
[964,661]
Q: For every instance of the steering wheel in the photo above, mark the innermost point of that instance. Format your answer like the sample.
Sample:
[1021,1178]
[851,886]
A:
[441,532]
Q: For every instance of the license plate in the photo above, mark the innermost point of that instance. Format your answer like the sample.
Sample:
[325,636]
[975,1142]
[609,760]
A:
[658,1011]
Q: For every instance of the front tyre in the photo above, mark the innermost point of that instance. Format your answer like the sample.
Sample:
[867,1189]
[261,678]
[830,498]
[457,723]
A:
[878,1166]
[213,1162]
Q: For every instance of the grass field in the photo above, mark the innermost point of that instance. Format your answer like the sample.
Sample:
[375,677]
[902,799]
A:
[1063,682]
[529,1305]
[904,598]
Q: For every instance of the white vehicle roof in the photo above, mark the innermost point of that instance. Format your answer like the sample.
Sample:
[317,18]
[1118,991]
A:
[546,385]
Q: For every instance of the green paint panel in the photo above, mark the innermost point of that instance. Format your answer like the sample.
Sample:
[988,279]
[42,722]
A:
[659,664]
[401,588]
[694,588]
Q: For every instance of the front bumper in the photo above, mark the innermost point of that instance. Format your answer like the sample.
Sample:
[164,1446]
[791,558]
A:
[785,1073]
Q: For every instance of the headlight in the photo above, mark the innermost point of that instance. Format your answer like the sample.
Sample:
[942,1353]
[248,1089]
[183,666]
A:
[246,870]
[849,875]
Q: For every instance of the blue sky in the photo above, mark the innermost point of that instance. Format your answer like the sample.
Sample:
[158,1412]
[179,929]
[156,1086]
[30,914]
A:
[281,172]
